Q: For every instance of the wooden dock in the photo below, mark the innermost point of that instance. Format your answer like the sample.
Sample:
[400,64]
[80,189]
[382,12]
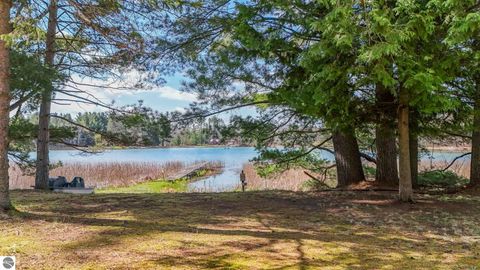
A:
[188,171]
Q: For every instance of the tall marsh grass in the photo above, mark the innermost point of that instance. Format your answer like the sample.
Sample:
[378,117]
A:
[104,174]
[293,179]
[297,180]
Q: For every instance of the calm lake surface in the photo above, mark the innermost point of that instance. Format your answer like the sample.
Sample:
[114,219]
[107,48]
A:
[234,158]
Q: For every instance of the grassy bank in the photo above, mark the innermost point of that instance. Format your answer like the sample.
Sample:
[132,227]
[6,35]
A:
[157,186]
[326,230]
[162,185]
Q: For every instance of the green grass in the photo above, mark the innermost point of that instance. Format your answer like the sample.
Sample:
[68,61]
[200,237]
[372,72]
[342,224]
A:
[441,179]
[236,230]
[158,186]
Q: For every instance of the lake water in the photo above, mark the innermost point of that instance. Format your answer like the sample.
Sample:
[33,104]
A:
[233,158]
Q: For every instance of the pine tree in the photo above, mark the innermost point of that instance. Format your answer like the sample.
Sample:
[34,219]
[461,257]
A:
[463,36]
[5,29]
[93,39]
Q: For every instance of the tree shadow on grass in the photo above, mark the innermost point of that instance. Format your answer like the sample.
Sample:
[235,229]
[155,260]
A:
[254,230]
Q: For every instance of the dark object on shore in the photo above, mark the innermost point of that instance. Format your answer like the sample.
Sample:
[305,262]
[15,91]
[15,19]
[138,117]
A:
[243,180]
[61,182]
[77,182]
[58,182]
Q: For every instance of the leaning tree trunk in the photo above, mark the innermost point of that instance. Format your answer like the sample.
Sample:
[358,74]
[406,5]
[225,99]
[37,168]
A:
[385,139]
[414,147]
[475,161]
[43,139]
[347,158]
[5,6]
[405,183]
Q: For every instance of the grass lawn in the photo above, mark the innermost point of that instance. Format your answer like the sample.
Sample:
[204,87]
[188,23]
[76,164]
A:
[158,186]
[252,230]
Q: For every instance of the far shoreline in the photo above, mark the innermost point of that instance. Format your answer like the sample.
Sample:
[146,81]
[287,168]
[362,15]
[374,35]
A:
[451,149]
[110,148]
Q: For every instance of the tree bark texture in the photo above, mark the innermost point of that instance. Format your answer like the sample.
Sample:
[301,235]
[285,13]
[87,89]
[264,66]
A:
[43,139]
[385,138]
[414,147]
[347,158]
[405,183]
[5,28]
[475,161]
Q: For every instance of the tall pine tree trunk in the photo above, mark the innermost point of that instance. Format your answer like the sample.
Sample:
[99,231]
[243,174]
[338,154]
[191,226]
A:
[5,6]
[43,139]
[414,147]
[387,172]
[347,158]
[385,139]
[475,161]
[405,183]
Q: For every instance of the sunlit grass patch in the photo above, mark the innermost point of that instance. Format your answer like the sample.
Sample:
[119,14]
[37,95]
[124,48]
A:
[251,230]
[157,186]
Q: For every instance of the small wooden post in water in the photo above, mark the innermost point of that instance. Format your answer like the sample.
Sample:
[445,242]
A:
[243,180]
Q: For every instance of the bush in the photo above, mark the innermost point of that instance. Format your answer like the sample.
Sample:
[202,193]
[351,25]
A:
[369,171]
[441,179]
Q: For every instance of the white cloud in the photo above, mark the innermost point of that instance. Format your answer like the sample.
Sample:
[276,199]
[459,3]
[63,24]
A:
[172,93]
[105,91]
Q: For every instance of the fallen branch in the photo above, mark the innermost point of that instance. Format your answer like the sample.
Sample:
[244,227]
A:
[368,158]
[319,181]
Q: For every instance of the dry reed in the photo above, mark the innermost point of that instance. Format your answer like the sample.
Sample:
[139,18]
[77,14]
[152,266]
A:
[293,179]
[104,174]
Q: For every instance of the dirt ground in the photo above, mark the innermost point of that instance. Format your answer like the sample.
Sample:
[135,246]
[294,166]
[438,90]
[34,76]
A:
[251,230]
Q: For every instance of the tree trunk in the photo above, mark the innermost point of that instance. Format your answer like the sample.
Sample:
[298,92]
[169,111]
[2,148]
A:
[385,139]
[414,147]
[347,158]
[475,160]
[4,104]
[405,183]
[387,172]
[43,139]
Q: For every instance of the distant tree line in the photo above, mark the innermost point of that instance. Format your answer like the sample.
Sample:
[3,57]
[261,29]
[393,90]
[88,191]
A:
[88,129]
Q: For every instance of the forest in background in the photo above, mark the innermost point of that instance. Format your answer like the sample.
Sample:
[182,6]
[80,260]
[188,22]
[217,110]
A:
[156,131]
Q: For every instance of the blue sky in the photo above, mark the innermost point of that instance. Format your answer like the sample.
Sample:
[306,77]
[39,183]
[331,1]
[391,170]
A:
[167,97]
[163,98]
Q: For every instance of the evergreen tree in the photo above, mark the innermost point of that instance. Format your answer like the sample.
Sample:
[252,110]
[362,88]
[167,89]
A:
[463,36]
[93,39]
[5,29]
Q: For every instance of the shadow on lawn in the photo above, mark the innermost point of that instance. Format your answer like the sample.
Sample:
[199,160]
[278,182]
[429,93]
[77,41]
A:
[289,230]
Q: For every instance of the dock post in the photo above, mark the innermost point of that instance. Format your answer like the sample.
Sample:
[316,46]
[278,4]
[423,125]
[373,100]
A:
[243,180]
